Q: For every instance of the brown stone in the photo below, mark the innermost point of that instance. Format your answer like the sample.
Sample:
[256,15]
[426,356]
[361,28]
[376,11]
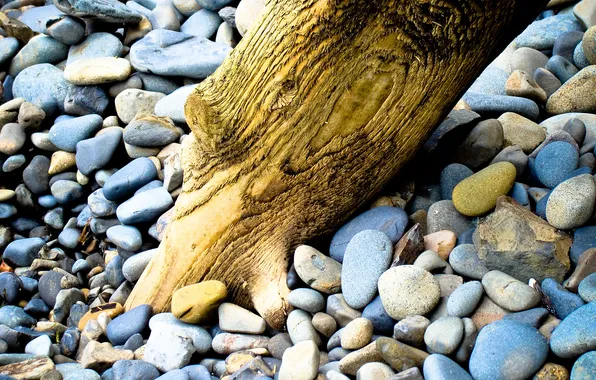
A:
[420,218]
[113,309]
[515,241]
[408,248]
[522,84]
[400,356]
[586,265]
[28,369]
[551,371]
[351,363]
[549,326]
[101,356]
[487,312]
[15,28]
[442,242]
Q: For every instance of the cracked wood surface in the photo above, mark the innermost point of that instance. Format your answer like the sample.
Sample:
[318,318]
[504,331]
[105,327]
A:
[312,113]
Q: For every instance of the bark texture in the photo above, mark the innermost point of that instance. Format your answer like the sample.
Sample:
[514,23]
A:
[312,113]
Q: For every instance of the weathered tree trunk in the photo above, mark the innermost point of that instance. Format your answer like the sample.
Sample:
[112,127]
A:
[311,114]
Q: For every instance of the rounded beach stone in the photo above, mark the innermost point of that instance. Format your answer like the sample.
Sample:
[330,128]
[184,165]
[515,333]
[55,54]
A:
[575,334]
[300,362]
[92,71]
[465,261]
[320,272]
[555,161]
[444,335]
[306,299]
[233,318]
[374,371]
[134,321]
[356,334]
[464,299]
[390,220]
[477,194]
[194,303]
[508,350]
[509,292]
[451,176]
[587,288]
[520,131]
[300,327]
[571,203]
[563,301]
[131,102]
[125,237]
[408,290]
[584,367]
[440,367]
[574,95]
[12,138]
[367,256]
[443,215]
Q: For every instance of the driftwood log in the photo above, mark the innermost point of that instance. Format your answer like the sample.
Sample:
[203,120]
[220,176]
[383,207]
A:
[313,112]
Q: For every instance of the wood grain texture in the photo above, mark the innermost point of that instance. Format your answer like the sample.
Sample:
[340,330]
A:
[312,113]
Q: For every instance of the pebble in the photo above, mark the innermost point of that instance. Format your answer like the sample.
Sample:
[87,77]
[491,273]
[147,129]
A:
[587,288]
[554,162]
[324,323]
[307,299]
[10,284]
[320,272]
[496,105]
[563,301]
[49,286]
[440,367]
[561,67]
[300,362]
[129,179]
[441,242]
[572,95]
[300,327]
[375,312]
[408,290]
[542,34]
[443,215]
[367,256]
[356,334]
[67,192]
[584,367]
[233,318]
[584,238]
[497,348]
[522,84]
[373,371]
[226,343]
[42,85]
[35,175]
[508,292]
[150,131]
[12,138]
[144,207]
[571,203]
[464,299]
[66,134]
[108,11]
[451,175]
[520,131]
[64,301]
[574,336]
[13,316]
[400,356]
[134,370]
[134,321]
[39,49]
[481,145]
[391,221]
[22,252]
[168,53]
[203,23]
[133,101]
[135,265]
[94,71]
[201,339]
[340,310]
[532,317]
[125,237]
[172,105]
[40,346]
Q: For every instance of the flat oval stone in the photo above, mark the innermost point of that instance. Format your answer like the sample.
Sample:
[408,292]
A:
[443,215]
[13,316]
[451,175]
[128,324]
[562,300]
[125,237]
[22,252]
[390,220]
[306,299]
[440,367]
[172,105]
[509,350]
[408,290]
[584,367]
[66,134]
[44,86]
[39,49]
[574,95]
[151,131]
[129,179]
[587,288]
[94,71]
[95,45]
[571,203]
[320,272]
[236,319]
[509,292]
[95,153]
[477,194]
[194,303]
[300,327]
[574,335]
[145,207]
[464,299]
[303,359]
[554,162]
[444,335]
[356,334]
[375,312]
[367,256]
[134,266]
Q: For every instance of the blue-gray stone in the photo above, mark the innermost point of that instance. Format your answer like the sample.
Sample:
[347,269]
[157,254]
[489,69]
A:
[135,6]
[533,317]
[22,252]
[465,261]
[134,370]
[134,321]
[69,238]
[86,100]
[213,4]
[444,335]
[306,299]
[8,48]
[584,367]
[81,265]
[390,220]
[577,172]
[129,179]
[95,153]
[575,334]
[7,210]
[149,131]
[126,237]
[10,286]
[381,321]
[49,286]
[105,10]
[563,300]
[167,322]
[67,192]
[176,374]
[70,341]
[491,81]
[507,350]
[145,207]
[440,367]
[520,194]
[151,185]
[133,342]
[156,83]
[39,49]
[66,134]
[579,57]
[29,284]
[367,256]
[24,224]
[494,105]
[66,29]
[99,205]
[84,216]
[37,308]
[44,86]
[54,218]
[36,176]
[584,238]
[466,237]
[566,43]
[13,316]
[100,226]
[14,358]
[554,162]
[464,299]
[173,104]
[82,374]
[135,265]
[541,35]
[451,176]
[96,45]
[37,17]
[13,163]
[541,205]
[7,84]
[203,23]
[587,288]
[198,372]
[169,53]
[113,272]
[561,67]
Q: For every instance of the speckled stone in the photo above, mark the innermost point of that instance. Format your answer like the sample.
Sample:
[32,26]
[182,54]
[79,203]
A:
[508,292]
[571,203]
[574,95]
